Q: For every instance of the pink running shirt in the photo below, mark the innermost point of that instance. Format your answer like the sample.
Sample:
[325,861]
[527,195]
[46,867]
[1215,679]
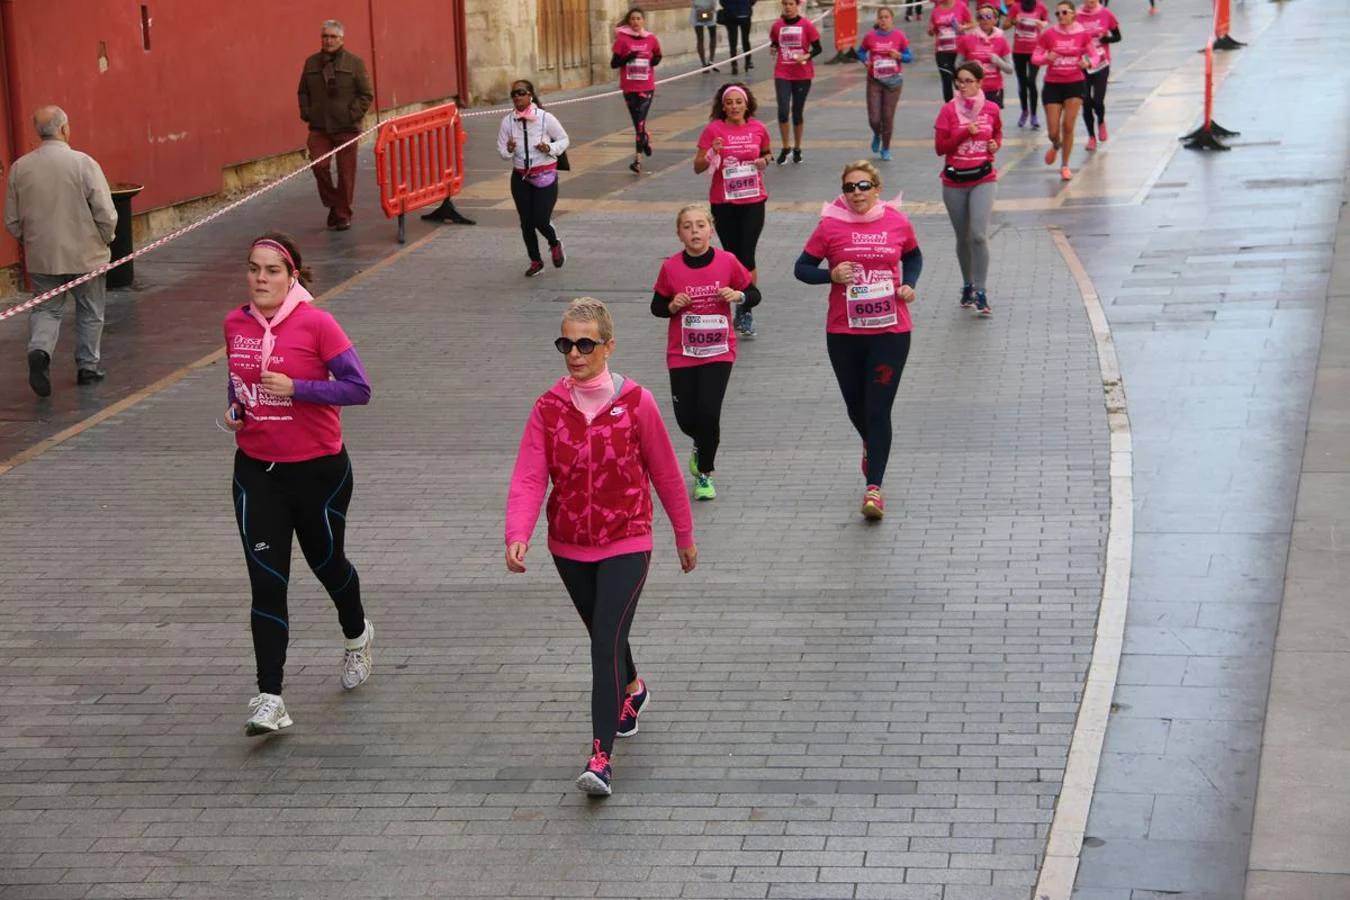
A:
[794,48]
[736,179]
[701,332]
[877,246]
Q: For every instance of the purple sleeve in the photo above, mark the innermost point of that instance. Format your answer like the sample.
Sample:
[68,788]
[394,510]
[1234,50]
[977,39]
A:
[350,386]
[229,392]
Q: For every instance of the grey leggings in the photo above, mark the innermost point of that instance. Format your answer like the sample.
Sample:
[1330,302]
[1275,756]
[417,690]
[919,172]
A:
[969,209]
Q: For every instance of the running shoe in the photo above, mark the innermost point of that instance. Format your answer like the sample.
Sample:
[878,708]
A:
[1022,120]
[796,154]
[749,64]
[1051,154]
[885,155]
[356,661]
[1153,10]
[967,296]
[1101,132]
[738,323]
[873,507]
[1035,122]
[734,68]
[783,156]
[556,251]
[646,145]
[1092,143]
[982,304]
[748,325]
[535,268]
[595,778]
[633,705]
[267,714]
[693,461]
[635,167]
[1065,174]
[876,143]
[703,488]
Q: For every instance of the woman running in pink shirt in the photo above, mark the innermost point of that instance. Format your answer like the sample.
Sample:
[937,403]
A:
[873,263]
[1067,49]
[697,290]
[986,45]
[794,42]
[291,370]
[945,23]
[636,55]
[884,51]
[1102,24]
[599,438]
[1027,18]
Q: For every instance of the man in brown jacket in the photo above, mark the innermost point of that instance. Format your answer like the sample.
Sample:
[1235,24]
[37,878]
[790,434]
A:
[59,207]
[334,96]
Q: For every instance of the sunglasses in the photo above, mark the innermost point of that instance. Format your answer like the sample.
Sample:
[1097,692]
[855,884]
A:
[986,15]
[1063,12]
[520,92]
[851,186]
[585,346]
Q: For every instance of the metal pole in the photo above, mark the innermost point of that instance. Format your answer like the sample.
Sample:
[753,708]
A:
[374,71]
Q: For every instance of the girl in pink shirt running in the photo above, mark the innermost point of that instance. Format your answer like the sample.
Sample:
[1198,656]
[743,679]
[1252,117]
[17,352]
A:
[291,370]
[636,55]
[600,440]
[1066,49]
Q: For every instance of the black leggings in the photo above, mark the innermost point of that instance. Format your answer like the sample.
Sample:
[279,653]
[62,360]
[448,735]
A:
[793,93]
[743,25]
[698,392]
[1027,94]
[946,63]
[605,594]
[712,44]
[272,502]
[868,369]
[534,205]
[1094,107]
[639,105]
[738,228]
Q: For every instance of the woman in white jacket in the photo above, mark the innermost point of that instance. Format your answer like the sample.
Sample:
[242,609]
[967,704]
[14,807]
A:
[533,140]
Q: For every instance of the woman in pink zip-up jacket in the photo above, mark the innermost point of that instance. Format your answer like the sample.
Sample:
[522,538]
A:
[600,439]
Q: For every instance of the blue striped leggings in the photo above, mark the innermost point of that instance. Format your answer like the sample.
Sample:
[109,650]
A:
[307,500]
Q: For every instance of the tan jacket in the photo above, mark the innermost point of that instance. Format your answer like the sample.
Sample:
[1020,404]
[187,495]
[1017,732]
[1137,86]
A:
[346,106]
[59,206]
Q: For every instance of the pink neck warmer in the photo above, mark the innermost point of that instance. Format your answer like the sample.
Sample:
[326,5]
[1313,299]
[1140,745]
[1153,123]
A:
[624,29]
[592,394]
[294,298]
[838,208]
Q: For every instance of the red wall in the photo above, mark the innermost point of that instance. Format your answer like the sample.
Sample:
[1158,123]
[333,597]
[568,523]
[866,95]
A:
[217,86]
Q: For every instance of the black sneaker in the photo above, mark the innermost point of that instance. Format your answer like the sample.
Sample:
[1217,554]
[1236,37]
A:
[967,296]
[735,68]
[633,705]
[982,304]
[90,376]
[39,372]
[748,325]
[783,156]
[796,154]
[646,145]
[595,778]
[535,268]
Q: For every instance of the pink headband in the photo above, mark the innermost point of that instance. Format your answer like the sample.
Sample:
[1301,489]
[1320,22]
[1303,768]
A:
[279,247]
[735,89]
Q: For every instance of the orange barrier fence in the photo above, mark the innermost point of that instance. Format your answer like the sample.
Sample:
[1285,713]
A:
[419,160]
[845,24]
[1223,18]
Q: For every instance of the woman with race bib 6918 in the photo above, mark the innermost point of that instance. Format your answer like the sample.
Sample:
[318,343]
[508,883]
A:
[736,148]
[873,263]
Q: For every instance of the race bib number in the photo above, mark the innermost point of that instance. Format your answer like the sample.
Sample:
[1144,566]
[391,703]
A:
[1027,30]
[704,336]
[638,70]
[790,44]
[946,37]
[740,181]
[871,304]
[884,67]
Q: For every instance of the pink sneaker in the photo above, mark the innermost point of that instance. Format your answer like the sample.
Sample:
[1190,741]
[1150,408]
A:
[1092,143]
[873,507]
[1101,131]
[595,778]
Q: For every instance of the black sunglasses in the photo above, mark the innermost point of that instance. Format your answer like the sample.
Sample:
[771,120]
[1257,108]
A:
[851,186]
[585,346]
[520,92]
[1063,12]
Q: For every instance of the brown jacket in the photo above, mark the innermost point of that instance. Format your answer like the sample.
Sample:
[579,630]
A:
[59,206]
[343,108]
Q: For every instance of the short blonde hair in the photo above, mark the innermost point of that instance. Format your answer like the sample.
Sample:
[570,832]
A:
[694,207]
[862,165]
[589,309]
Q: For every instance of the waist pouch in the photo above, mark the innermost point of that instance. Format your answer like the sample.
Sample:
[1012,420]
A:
[962,176]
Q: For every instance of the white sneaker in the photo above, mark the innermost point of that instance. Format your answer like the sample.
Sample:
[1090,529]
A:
[356,661]
[267,714]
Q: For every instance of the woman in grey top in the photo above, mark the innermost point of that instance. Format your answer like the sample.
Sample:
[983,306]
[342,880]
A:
[703,19]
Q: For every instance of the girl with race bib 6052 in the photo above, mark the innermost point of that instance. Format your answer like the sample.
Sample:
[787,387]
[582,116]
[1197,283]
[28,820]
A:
[873,263]
[696,290]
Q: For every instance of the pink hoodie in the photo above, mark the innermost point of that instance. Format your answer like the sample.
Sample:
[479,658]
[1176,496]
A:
[602,473]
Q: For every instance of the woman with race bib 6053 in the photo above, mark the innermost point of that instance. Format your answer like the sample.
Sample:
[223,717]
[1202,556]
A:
[736,148]
[873,263]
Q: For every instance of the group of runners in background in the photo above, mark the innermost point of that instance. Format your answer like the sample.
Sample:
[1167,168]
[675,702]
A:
[597,437]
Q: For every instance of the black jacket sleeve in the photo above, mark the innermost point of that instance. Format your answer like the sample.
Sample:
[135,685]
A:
[808,269]
[816,49]
[661,305]
[1112,38]
[911,265]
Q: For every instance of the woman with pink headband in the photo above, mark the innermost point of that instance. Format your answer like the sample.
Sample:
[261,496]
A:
[291,371]
[736,148]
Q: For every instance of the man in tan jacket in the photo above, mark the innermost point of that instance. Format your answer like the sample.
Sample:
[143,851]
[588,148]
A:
[59,207]
[334,96]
